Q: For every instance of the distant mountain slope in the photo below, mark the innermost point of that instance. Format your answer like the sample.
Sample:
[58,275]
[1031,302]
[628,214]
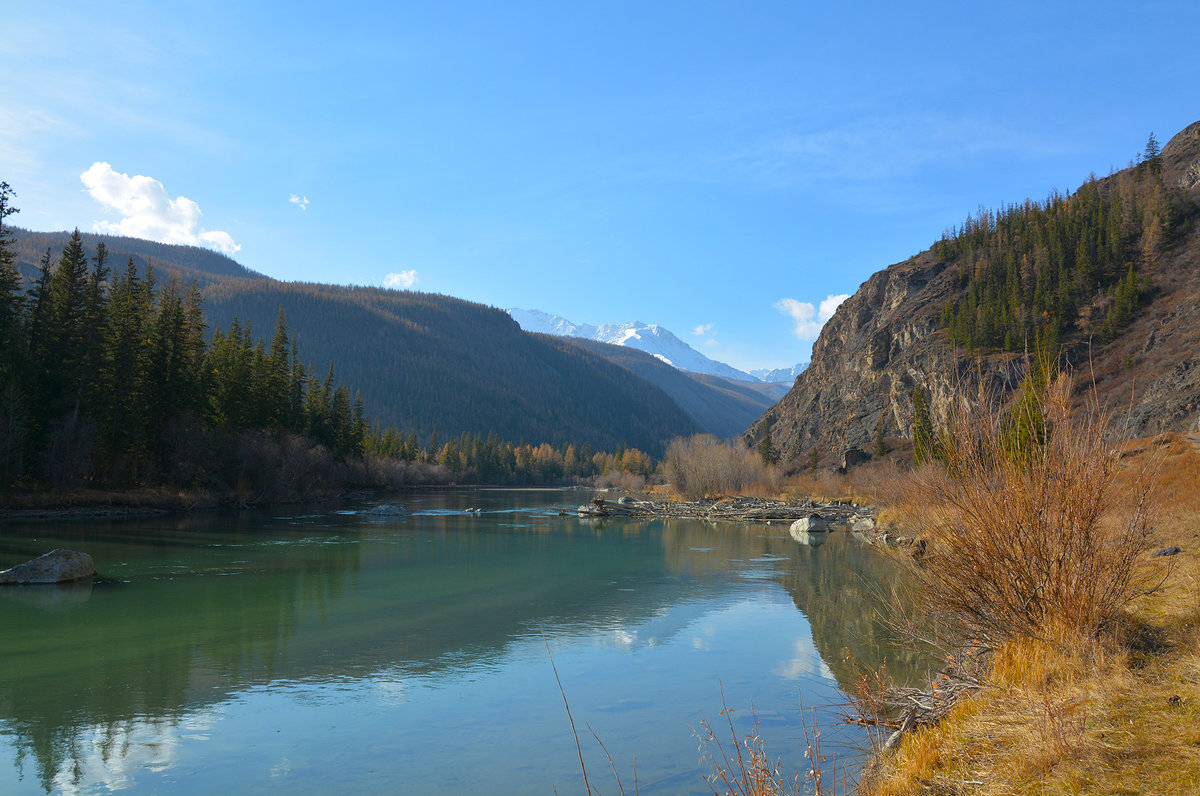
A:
[719,406]
[1138,339]
[780,375]
[194,264]
[651,338]
[426,361]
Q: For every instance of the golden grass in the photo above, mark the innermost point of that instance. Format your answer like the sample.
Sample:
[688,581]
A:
[1071,713]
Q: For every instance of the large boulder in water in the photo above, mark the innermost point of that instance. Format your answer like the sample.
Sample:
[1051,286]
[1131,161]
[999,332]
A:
[57,566]
[810,524]
[811,530]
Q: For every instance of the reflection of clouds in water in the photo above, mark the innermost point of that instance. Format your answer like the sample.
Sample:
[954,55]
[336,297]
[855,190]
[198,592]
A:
[806,662]
[282,768]
[391,691]
[108,758]
[621,638]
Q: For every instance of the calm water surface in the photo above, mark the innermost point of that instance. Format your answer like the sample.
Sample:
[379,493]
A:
[315,651]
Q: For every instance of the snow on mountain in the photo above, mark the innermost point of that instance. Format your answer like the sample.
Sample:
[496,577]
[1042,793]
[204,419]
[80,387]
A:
[651,338]
[780,375]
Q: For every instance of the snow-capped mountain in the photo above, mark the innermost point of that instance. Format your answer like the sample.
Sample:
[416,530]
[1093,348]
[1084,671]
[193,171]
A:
[651,338]
[779,375]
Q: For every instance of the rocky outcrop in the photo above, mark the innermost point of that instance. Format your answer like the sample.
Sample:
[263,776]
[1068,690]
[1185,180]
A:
[886,339]
[57,566]
[881,342]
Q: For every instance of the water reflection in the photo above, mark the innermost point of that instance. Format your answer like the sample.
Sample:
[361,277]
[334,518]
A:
[206,620]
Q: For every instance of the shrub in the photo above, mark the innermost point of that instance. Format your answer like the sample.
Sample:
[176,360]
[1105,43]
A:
[1016,523]
[704,465]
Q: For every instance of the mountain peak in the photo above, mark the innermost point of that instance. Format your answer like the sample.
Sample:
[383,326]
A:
[652,338]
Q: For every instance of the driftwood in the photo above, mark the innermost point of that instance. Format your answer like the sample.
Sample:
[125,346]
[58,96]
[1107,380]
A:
[904,710]
[747,509]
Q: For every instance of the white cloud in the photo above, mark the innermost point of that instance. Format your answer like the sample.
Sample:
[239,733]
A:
[829,306]
[148,212]
[299,200]
[808,319]
[703,329]
[710,342]
[401,279]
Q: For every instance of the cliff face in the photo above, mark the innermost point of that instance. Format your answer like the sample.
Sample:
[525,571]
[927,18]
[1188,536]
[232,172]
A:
[887,338]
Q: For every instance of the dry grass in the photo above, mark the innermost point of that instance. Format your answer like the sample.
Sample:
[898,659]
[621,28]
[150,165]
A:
[1073,712]
[878,482]
[743,768]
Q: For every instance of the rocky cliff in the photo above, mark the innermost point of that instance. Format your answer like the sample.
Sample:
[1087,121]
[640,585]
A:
[888,337]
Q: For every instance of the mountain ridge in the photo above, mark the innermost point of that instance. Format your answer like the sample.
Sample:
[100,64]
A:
[891,336]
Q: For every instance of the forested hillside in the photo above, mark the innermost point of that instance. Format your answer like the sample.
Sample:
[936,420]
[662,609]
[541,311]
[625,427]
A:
[192,263]
[428,362]
[1063,266]
[422,362]
[1106,276]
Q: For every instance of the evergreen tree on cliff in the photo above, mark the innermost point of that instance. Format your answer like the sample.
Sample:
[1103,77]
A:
[922,433]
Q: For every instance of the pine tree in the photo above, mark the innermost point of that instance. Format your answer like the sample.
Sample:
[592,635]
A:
[1152,154]
[767,451]
[67,333]
[278,377]
[12,351]
[924,448]
[122,374]
[11,300]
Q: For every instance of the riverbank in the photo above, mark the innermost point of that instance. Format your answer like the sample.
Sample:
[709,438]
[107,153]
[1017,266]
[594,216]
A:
[99,504]
[1113,712]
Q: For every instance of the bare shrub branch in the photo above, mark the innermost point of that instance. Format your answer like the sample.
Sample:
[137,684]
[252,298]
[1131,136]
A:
[703,465]
[1014,517]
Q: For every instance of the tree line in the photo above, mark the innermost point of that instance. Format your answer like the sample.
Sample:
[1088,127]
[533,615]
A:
[110,380]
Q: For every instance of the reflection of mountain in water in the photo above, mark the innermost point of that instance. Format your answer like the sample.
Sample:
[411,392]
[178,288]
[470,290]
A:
[197,612]
[842,587]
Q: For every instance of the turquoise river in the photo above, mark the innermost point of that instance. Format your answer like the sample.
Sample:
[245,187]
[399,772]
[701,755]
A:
[316,650]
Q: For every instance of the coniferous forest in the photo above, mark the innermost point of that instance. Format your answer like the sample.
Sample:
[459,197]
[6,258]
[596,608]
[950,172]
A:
[110,378]
[1034,271]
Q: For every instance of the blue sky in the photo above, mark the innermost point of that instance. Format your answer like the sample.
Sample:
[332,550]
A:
[713,167]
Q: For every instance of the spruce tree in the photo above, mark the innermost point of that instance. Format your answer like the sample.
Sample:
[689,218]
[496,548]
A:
[922,429]
[11,300]
[767,451]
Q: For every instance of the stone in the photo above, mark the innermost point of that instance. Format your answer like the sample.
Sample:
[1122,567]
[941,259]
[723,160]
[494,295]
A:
[811,530]
[57,566]
[813,522]
[862,524]
[1167,551]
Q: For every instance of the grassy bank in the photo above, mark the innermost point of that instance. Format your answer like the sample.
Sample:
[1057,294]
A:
[1064,709]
